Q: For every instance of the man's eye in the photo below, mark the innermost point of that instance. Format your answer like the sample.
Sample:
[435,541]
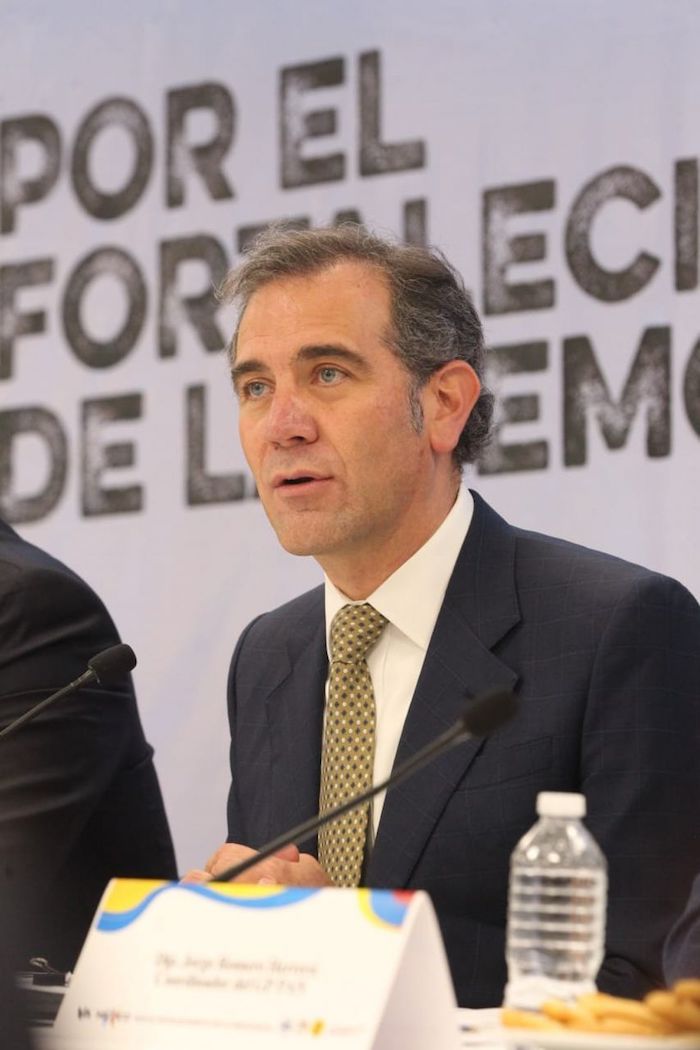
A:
[328,374]
[255,389]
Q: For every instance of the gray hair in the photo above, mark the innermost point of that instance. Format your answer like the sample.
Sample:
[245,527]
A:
[433,318]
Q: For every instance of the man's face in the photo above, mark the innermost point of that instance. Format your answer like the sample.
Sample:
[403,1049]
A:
[325,421]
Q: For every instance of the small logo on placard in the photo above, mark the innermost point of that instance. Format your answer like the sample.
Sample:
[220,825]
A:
[315,1027]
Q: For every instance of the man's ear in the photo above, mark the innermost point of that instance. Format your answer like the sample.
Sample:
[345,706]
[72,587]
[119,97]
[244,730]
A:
[448,399]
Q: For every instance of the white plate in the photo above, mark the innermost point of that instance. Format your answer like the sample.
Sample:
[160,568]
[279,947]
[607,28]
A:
[530,1037]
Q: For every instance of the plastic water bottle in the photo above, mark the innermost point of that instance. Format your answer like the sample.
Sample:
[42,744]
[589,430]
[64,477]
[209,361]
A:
[556,906]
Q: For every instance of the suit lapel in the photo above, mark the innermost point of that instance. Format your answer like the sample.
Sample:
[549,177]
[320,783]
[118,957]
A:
[480,607]
[294,710]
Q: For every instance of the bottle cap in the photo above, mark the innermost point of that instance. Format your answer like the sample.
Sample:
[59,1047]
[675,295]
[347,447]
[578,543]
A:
[561,804]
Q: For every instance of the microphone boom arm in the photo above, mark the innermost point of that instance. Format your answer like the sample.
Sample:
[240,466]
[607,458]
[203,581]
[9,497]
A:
[85,677]
[484,714]
[454,735]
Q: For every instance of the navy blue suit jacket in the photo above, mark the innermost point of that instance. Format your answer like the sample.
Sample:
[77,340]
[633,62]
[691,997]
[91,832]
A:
[605,659]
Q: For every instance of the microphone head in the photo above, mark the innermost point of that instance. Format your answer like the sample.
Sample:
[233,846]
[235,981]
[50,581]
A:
[489,712]
[112,664]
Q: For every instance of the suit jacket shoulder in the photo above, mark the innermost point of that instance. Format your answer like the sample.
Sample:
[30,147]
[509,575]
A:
[79,796]
[508,575]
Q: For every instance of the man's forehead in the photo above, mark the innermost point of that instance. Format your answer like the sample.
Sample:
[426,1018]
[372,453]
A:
[349,292]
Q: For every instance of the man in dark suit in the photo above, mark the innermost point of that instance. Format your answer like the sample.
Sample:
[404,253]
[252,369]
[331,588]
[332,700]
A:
[79,796]
[357,365]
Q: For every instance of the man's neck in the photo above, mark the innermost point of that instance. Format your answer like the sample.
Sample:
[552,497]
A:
[360,574]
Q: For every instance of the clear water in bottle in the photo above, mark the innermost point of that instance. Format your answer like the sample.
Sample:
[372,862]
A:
[556,906]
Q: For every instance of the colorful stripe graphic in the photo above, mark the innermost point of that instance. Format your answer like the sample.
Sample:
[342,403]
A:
[385,907]
[128,899]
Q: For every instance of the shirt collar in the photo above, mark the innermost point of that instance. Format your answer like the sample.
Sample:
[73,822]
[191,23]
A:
[426,574]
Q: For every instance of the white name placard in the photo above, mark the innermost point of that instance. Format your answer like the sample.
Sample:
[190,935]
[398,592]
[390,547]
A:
[177,966]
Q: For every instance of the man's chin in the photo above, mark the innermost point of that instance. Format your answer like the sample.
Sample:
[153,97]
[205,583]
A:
[303,547]
[312,533]
[304,542]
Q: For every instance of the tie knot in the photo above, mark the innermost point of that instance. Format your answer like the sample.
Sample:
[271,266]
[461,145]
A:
[354,631]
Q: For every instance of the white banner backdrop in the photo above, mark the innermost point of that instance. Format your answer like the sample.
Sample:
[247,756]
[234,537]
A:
[551,149]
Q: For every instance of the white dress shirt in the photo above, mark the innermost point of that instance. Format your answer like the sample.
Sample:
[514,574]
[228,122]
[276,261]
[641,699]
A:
[410,599]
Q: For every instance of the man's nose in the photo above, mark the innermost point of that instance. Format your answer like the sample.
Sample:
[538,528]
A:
[288,420]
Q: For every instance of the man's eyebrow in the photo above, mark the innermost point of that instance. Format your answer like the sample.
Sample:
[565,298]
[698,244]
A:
[312,352]
[245,368]
[335,351]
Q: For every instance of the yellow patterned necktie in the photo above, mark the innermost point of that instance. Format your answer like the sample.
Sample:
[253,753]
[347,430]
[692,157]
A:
[347,762]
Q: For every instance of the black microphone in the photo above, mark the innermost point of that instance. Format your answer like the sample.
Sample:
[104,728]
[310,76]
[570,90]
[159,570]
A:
[481,716]
[106,667]
[111,664]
